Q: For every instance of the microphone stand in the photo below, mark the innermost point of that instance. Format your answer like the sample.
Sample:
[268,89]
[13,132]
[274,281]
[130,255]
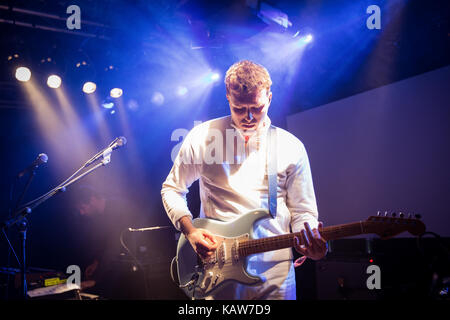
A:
[25,189]
[20,216]
[22,226]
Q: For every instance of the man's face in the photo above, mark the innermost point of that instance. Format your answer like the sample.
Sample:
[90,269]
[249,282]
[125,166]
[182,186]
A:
[249,110]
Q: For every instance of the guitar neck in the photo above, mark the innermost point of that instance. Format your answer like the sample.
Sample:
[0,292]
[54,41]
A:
[253,246]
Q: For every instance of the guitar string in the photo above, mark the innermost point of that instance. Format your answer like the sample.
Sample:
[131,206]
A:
[251,246]
[269,241]
[265,241]
[328,231]
[248,246]
[284,239]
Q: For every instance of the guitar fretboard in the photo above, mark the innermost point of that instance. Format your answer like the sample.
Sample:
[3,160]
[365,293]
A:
[253,246]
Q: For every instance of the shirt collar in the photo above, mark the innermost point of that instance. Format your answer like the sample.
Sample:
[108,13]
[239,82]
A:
[263,126]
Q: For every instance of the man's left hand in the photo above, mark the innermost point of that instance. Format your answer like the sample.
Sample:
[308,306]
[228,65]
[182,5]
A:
[311,244]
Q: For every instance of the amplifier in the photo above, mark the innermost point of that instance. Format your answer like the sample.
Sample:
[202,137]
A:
[407,268]
[343,280]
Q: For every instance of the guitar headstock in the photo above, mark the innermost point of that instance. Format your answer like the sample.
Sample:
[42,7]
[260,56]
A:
[388,226]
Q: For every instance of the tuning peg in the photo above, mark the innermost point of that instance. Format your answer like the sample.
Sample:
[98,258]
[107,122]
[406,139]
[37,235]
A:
[417,216]
[409,215]
[394,214]
[385,213]
[378,213]
[402,214]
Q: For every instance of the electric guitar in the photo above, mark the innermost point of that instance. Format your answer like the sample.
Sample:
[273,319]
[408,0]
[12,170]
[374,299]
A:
[199,277]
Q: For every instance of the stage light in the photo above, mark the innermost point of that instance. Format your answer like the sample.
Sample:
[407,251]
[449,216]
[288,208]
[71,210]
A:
[23,74]
[215,76]
[272,15]
[54,81]
[305,39]
[212,77]
[158,98]
[116,92]
[308,38]
[133,105]
[181,91]
[89,87]
[108,105]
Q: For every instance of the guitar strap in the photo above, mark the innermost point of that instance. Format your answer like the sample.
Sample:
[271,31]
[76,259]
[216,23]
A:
[272,177]
[272,169]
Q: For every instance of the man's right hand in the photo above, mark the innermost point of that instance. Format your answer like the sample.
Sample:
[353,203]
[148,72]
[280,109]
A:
[203,241]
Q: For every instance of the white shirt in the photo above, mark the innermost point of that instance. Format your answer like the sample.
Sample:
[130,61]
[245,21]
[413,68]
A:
[233,179]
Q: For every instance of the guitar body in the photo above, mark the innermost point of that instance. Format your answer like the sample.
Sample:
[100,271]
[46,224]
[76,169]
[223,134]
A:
[201,277]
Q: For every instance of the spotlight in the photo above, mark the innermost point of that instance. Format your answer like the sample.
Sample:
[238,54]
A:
[308,38]
[133,105]
[23,74]
[116,92]
[305,39]
[158,98]
[215,76]
[54,81]
[212,77]
[272,15]
[108,105]
[89,87]
[181,91]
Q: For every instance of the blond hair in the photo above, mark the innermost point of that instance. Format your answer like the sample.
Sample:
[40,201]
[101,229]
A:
[246,77]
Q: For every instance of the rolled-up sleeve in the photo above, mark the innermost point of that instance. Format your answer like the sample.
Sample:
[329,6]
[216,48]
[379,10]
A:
[184,172]
[301,199]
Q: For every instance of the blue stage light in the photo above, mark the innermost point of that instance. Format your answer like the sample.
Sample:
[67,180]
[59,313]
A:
[212,77]
[215,76]
[305,39]
[181,91]
[308,38]
[158,98]
[108,105]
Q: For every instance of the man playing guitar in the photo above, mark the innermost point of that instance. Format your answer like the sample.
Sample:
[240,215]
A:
[228,155]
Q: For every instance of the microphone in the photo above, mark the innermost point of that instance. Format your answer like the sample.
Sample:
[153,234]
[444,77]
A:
[148,229]
[117,143]
[41,158]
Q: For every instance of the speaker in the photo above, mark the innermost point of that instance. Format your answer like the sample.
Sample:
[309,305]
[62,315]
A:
[343,279]
[407,268]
